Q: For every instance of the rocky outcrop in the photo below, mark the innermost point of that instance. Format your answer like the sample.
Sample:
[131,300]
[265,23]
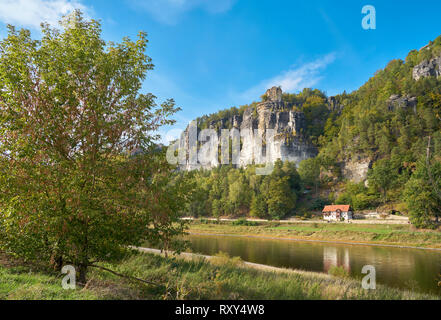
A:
[274,94]
[396,102]
[427,68]
[290,142]
[356,170]
[334,105]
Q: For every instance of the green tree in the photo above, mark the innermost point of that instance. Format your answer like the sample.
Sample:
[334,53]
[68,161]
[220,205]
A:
[422,200]
[160,197]
[258,207]
[70,116]
[383,176]
[309,171]
[281,201]
[290,170]
[216,208]
[239,195]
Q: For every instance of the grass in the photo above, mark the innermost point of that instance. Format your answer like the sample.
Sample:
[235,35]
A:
[403,235]
[338,271]
[223,278]
[25,284]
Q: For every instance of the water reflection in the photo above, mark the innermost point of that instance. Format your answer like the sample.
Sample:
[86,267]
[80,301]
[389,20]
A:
[332,257]
[404,268]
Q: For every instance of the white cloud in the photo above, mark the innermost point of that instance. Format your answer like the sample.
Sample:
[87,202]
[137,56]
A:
[169,11]
[292,80]
[30,13]
[302,77]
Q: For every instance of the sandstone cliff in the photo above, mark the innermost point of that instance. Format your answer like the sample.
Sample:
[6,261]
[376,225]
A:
[290,142]
[427,68]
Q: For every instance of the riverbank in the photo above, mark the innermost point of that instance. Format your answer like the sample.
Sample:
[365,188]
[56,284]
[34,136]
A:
[359,234]
[192,277]
[371,218]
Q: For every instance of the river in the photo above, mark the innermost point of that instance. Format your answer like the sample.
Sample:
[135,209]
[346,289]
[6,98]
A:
[414,269]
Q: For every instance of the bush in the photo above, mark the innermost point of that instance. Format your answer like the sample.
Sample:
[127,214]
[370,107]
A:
[224,259]
[363,201]
[245,222]
[338,271]
[357,195]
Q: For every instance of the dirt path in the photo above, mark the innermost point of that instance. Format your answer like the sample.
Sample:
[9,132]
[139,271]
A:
[262,267]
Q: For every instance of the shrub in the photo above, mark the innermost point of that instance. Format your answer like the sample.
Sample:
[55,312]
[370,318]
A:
[338,271]
[245,222]
[224,259]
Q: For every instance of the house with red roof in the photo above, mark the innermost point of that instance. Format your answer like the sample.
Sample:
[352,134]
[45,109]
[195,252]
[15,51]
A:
[338,213]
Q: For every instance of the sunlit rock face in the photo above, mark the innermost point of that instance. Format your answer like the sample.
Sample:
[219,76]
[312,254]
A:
[274,94]
[356,170]
[290,143]
[427,68]
[396,102]
[334,105]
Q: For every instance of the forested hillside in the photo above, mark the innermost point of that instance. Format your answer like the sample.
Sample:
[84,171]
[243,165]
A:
[393,122]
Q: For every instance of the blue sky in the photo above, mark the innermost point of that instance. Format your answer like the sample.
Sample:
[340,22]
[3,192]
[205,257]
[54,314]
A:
[215,54]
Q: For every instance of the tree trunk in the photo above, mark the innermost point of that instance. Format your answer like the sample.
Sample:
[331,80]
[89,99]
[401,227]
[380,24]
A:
[429,172]
[165,244]
[81,274]
[57,262]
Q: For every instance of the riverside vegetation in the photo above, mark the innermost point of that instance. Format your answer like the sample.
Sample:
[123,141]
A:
[222,278]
